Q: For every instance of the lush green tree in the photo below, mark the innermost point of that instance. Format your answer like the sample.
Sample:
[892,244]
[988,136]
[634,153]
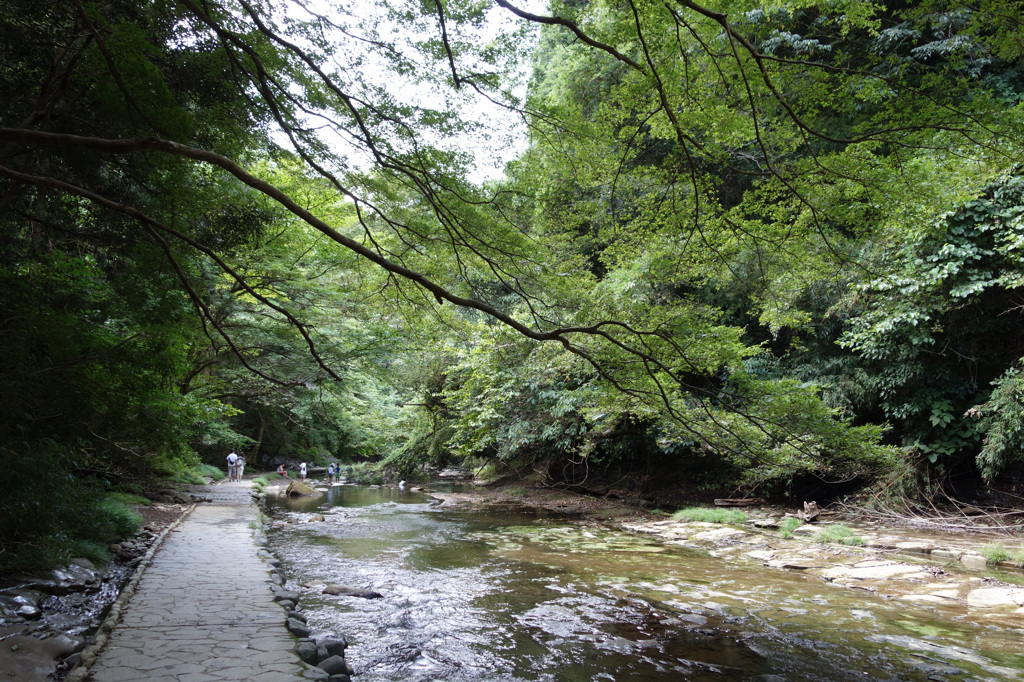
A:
[276,209]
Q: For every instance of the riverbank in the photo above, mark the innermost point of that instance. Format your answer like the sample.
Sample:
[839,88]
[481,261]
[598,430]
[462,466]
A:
[47,618]
[200,600]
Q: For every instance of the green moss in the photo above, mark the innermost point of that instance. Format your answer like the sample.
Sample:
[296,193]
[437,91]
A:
[710,515]
[838,533]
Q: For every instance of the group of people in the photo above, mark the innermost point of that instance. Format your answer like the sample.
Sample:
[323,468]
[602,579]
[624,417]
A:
[236,466]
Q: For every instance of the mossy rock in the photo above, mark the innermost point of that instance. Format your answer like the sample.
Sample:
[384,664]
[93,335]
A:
[300,489]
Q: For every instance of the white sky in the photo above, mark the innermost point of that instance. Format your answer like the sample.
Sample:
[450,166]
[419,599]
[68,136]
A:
[503,134]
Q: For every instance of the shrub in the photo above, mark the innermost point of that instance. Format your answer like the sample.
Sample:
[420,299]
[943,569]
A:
[130,499]
[365,472]
[710,515]
[63,514]
[838,533]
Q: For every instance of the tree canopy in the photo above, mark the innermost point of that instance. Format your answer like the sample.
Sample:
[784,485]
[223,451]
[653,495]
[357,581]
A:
[783,236]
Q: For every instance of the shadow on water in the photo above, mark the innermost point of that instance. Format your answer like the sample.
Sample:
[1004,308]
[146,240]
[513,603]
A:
[507,594]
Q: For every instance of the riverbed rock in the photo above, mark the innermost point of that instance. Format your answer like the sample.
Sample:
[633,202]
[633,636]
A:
[316,674]
[28,612]
[307,652]
[335,665]
[881,570]
[717,535]
[300,489]
[995,597]
[973,560]
[335,646]
[298,628]
[281,594]
[352,592]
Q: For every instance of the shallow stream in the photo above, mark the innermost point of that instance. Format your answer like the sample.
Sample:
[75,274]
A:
[511,594]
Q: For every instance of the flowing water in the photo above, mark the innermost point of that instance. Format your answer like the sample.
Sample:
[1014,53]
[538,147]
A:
[510,594]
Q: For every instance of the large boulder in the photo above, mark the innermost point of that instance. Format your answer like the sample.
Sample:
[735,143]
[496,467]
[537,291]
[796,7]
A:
[299,629]
[335,665]
[300,489]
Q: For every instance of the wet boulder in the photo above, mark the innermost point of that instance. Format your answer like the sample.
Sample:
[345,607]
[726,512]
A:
[298,628]
[281,594]
[300,489]
[335,646]
[307,652]
[335,665]
[348,591]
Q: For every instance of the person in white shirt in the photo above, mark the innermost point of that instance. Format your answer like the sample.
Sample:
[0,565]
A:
[232,466]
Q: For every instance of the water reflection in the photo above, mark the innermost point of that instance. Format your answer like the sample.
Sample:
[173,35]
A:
[506,594]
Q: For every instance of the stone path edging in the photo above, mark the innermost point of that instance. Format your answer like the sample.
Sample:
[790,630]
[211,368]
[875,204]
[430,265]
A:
[89,654]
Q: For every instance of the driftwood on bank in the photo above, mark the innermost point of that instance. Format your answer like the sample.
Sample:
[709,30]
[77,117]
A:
[737,502]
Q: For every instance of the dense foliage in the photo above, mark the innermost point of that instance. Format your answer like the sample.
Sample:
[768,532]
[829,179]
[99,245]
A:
[743,241]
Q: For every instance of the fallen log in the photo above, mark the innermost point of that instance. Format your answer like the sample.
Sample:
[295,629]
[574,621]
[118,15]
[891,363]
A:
[737,502]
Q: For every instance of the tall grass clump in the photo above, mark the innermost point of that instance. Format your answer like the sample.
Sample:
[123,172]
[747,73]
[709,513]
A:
[211,472]
[838,533]
[994,552]
[130,499]
[710,515]
[788,525]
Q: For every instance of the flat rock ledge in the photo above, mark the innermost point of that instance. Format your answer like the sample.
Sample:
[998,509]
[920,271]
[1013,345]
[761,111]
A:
[922,571]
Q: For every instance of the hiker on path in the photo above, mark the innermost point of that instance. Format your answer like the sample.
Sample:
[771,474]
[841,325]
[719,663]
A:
[240,467]
[232,466]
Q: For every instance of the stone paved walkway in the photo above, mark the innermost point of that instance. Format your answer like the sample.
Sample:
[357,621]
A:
[203,610]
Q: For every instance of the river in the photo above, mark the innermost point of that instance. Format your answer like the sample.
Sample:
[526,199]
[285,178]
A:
[513,594]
